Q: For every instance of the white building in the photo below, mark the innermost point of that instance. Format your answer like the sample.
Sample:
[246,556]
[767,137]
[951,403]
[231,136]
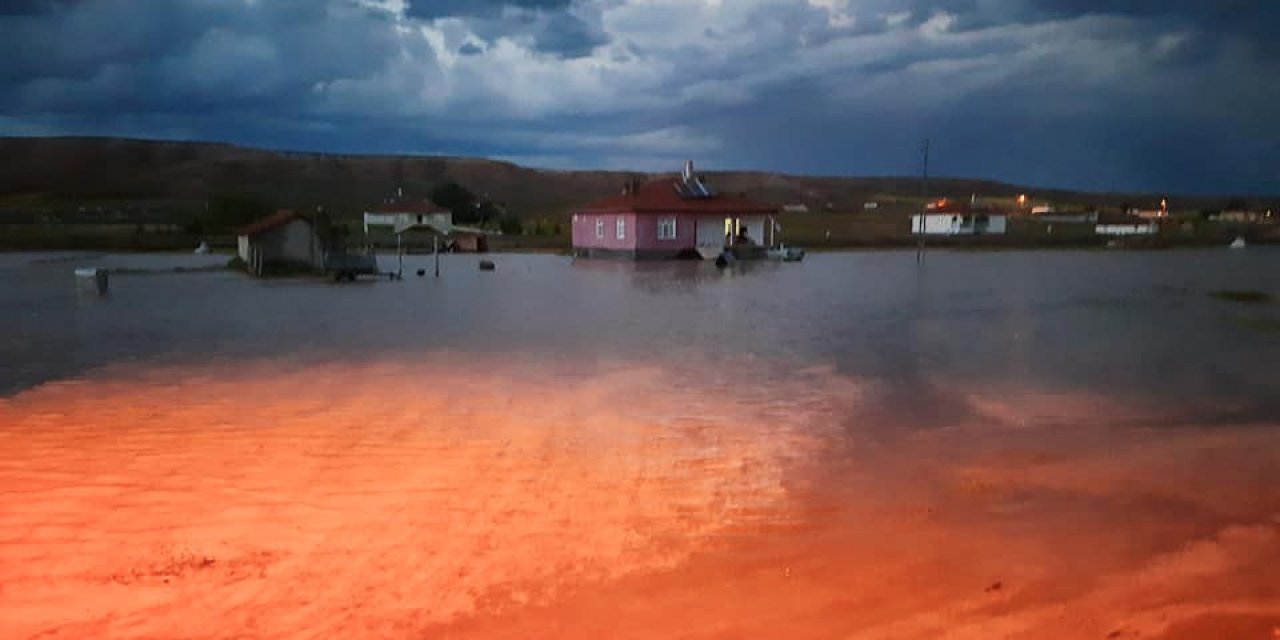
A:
[1126,225]
[400,216]
[957,223]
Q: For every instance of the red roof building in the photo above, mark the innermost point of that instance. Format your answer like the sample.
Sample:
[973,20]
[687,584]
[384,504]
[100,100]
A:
[671,217]
[285,238]
[274,221]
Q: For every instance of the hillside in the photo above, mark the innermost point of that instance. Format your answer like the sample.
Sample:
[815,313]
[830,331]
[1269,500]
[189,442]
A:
[173,182]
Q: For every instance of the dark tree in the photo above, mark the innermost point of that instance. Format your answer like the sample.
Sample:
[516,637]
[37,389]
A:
[458,199]
[511,225]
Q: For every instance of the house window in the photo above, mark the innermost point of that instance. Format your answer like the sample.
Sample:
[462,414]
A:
[667,229]
[622,228]
[599,227]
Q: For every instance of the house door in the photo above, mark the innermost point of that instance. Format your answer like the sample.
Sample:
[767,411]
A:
[711,231]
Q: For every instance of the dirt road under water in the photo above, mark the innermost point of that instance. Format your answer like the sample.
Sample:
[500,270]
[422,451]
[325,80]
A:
[438,499]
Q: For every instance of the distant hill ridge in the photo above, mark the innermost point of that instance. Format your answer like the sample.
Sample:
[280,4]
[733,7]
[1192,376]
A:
[181,176]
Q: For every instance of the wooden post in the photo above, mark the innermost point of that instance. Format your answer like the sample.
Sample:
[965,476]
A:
[435,249]
[924,192]
[399,257]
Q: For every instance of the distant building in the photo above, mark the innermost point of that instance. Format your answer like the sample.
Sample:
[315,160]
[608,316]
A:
[1242,217]
[1089,217]
[1148,214]
[285,239]
[947,218]
[468,242]
[397,216]
[1042,209]
[1125,225]
[795,208]
[679,216]
[870,206]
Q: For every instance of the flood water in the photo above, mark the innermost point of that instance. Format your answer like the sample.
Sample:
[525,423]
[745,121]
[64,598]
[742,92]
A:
[979,445]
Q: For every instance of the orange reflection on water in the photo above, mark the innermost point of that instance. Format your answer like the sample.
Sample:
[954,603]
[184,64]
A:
[363,500]
[503,499]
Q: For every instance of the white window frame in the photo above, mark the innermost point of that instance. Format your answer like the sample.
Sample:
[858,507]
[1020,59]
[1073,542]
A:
[621,228]
[666,225]
[599,227]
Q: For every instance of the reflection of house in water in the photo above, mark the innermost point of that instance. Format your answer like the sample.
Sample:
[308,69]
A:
[672,217]
[949,218]
[405,216]
[671,277]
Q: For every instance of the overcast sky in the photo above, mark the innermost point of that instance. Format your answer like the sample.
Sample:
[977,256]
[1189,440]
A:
[1159,95]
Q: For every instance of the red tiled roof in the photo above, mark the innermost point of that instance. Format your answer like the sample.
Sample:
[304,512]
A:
[660,196]
[273,221]
[424,207]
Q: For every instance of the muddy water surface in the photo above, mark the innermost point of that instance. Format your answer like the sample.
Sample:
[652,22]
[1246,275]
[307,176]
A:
[1076,445]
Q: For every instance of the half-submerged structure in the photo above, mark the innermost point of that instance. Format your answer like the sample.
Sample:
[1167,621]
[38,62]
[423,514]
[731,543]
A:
[673,217]
[291,242]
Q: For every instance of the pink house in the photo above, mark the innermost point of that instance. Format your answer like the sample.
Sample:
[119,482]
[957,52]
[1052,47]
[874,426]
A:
[673,217]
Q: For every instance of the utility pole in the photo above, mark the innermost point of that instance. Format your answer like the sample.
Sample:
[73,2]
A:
[924,196]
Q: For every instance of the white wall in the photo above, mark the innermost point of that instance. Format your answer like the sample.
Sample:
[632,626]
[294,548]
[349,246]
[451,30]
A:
[955,224]
[440,221]
[710,231]
[297,242]
[1126,229]
[294,242]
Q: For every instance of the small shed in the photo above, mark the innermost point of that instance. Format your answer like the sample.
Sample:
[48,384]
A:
[467,242]
[285,239]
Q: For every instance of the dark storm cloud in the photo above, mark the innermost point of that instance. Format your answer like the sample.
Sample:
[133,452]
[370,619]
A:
[31,7]
[113,55]
[549,24]
[1103,94]
[1252,20]
[454,8]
